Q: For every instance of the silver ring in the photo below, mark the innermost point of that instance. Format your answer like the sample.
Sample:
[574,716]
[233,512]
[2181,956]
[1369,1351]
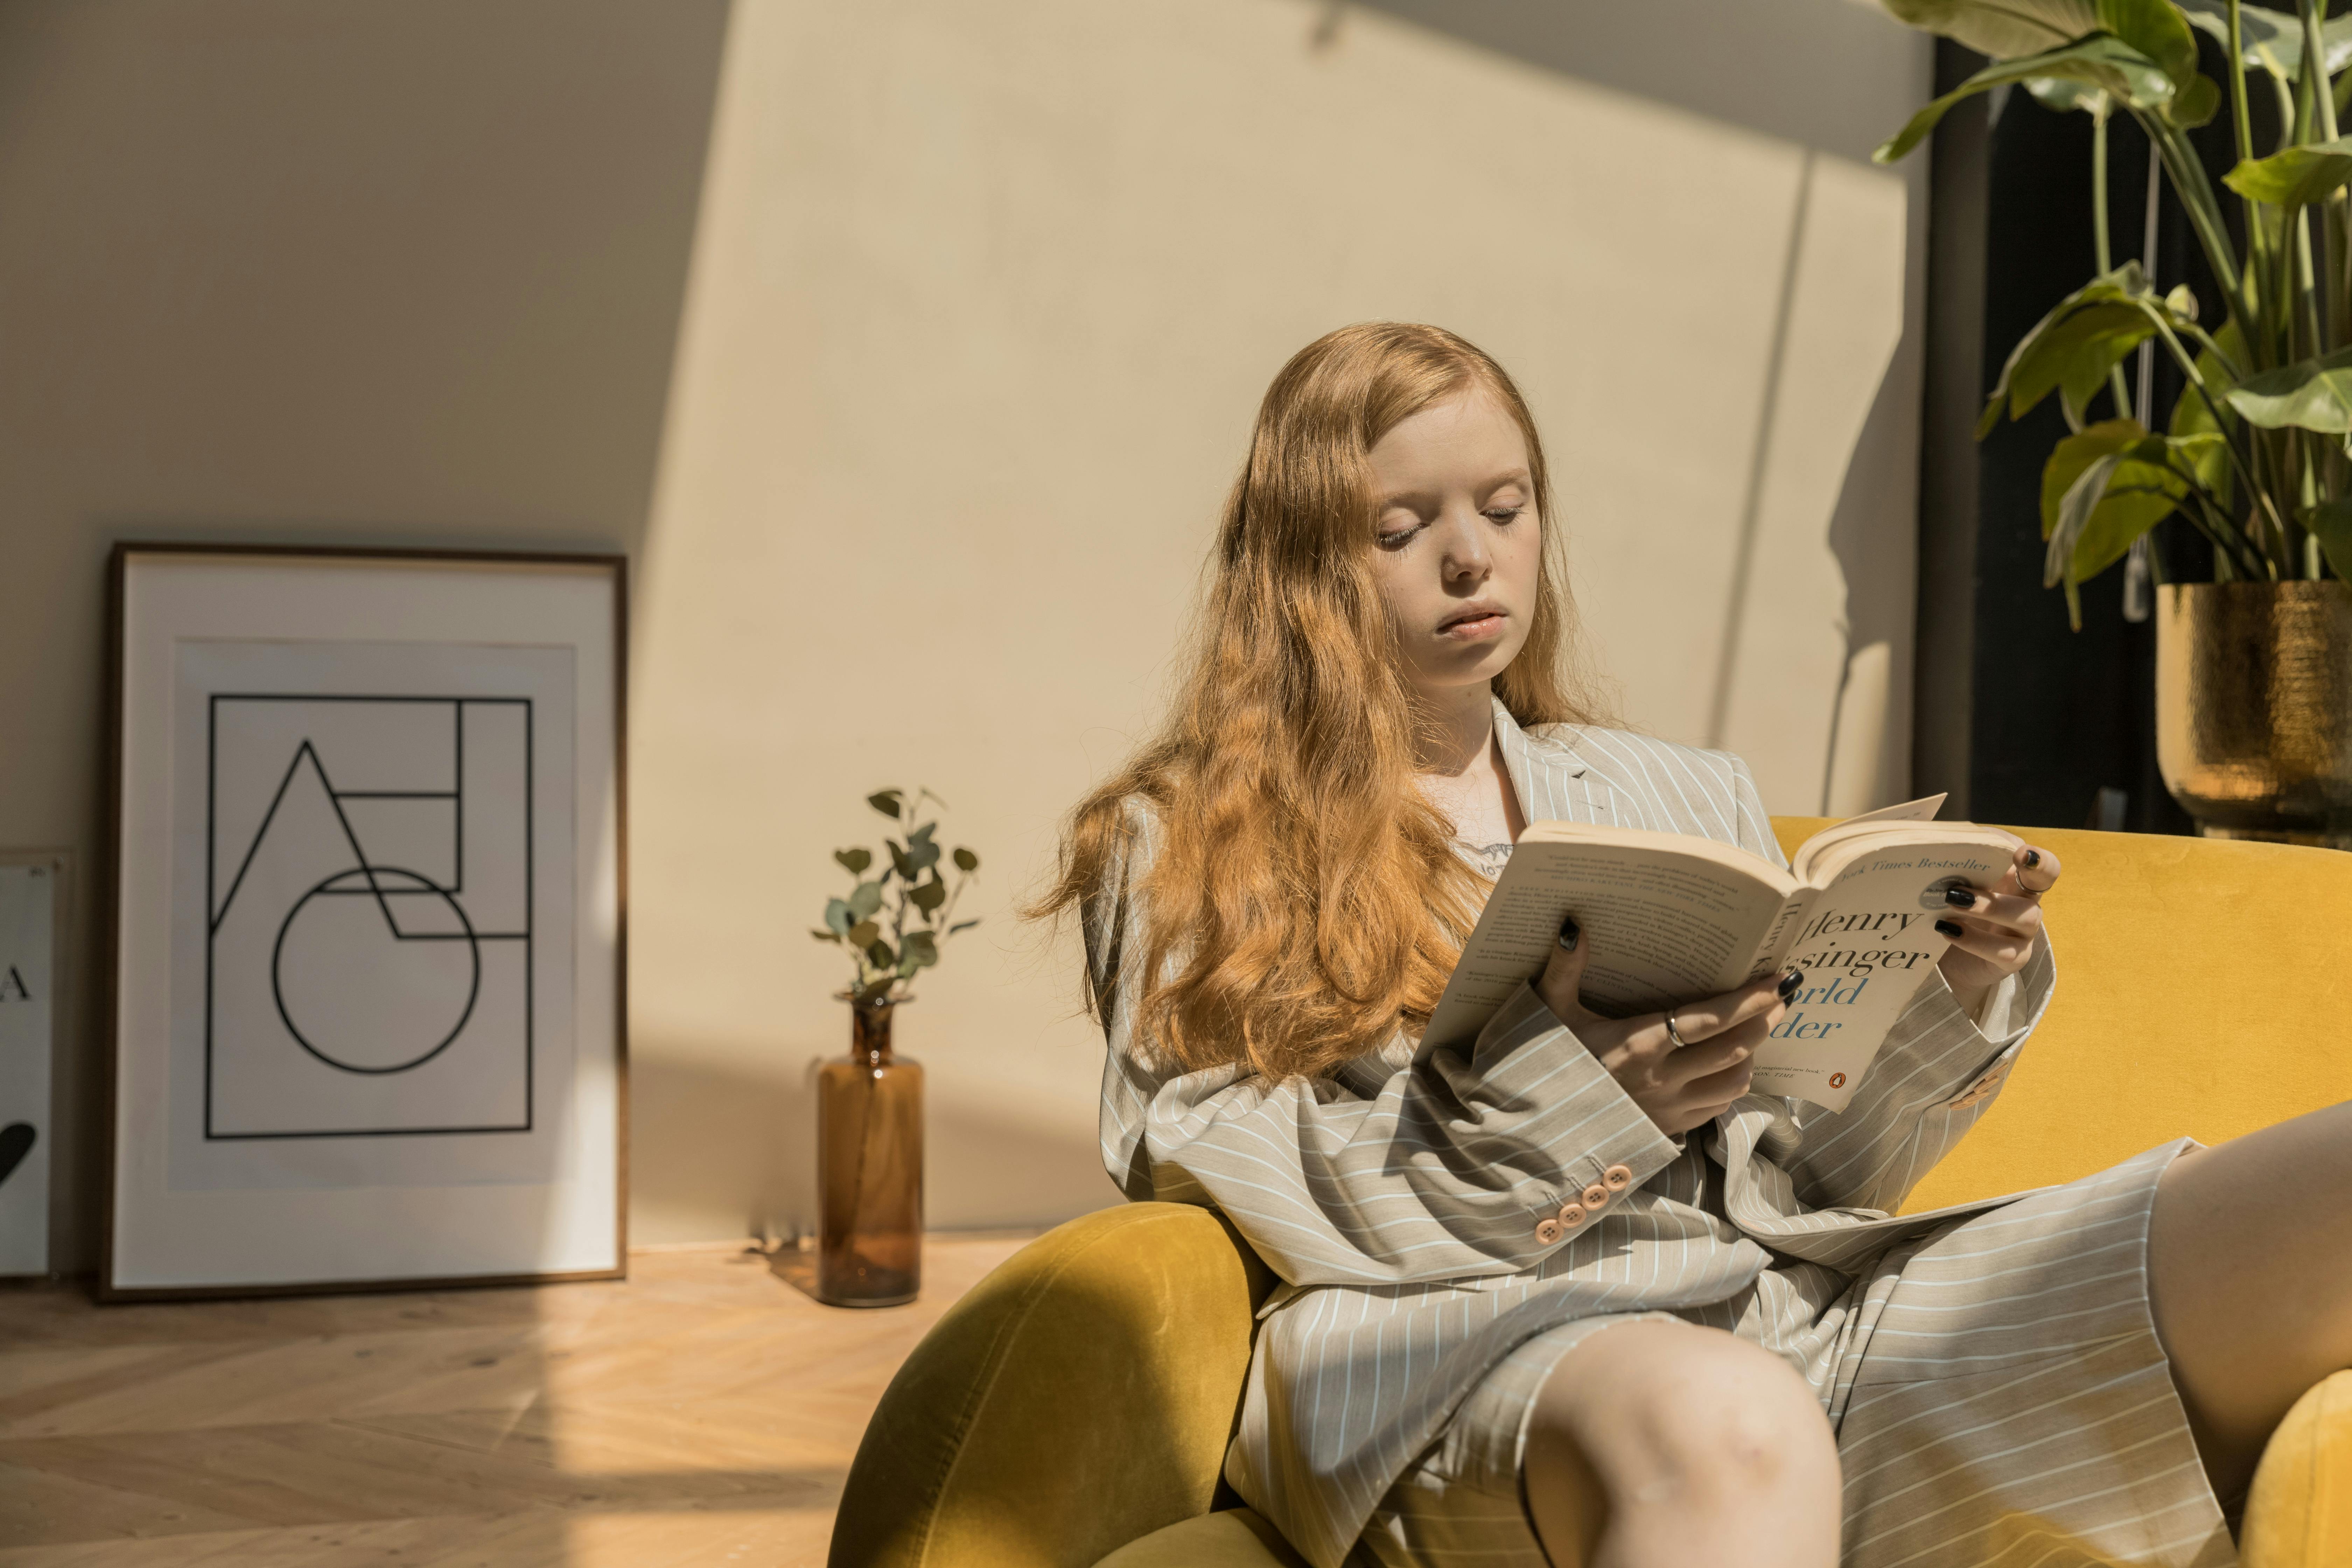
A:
[1671,1033]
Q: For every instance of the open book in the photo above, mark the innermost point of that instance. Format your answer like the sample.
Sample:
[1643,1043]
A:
[1676,916]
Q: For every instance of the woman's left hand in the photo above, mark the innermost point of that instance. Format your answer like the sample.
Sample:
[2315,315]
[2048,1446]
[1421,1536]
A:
[1994,931]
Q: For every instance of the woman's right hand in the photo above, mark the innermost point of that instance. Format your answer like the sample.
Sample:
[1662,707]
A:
[1680,1087]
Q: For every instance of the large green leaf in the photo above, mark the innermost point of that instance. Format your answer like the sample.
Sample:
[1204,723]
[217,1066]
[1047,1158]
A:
[2197,102]
[2294,176]
[837,916]
[2101,61]
[2156,28]
[854,861]
[2002,28]
[2103,488]
[2331,523]
[929,895]
[864,898]
[2071,349]
[2310,394]
[2273,39]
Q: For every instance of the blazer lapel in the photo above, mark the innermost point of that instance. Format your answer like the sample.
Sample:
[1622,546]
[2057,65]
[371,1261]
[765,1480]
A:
[1542,771]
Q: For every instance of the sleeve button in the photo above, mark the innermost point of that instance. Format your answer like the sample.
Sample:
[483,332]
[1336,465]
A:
[1594,1196]
[1547,1231]
[1617,1178]
[1571,1215]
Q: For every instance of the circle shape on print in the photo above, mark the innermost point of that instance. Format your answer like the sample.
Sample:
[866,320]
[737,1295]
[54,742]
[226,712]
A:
[365,995]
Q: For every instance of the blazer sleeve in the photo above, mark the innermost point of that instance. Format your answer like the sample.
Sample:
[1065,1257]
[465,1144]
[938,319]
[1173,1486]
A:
[1752,825]
[1406,1165]
[1940,1070]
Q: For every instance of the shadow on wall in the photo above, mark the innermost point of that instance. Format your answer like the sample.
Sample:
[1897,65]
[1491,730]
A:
[756,1132]
[390,272]
[1709,58]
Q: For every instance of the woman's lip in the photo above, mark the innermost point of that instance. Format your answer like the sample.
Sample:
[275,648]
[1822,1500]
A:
[1473,628]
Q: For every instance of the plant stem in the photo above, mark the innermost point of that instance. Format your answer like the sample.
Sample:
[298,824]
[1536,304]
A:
[2197,199]
[2221,422]
[2245,125]
[2102,248]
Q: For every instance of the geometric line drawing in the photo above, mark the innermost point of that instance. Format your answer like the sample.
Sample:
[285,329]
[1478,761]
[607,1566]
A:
[373,918]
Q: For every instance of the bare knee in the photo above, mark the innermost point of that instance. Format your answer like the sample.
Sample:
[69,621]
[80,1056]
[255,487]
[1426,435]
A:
[1683,1424]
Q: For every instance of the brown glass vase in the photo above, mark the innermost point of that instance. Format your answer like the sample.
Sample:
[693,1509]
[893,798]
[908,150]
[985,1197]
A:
[869,1141]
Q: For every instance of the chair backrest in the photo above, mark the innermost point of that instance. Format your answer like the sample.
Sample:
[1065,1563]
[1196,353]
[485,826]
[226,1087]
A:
[1079,1398]
[2204,987]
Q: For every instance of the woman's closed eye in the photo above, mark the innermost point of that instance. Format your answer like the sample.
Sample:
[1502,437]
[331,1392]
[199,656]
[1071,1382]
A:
[1397,538]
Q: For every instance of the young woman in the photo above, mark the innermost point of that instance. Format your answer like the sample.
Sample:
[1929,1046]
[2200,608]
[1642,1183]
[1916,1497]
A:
[1571,1293]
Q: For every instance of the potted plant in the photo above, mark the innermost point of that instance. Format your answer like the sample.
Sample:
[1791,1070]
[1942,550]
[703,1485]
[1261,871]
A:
[2254,667]
[870,1102]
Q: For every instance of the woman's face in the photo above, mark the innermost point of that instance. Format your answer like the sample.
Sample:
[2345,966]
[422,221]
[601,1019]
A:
[1457,540]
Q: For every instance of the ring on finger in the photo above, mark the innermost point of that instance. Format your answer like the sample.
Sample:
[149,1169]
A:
[1674,1033]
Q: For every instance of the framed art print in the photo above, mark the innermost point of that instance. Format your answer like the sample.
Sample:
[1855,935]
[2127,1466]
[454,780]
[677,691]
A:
[368,1025]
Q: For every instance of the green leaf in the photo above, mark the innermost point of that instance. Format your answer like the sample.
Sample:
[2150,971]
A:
[929,895]
[921,948]
[966,861]
[879,952]
[864,934]
[923,855]
[864,898]
[2100,60]
[922,835]
[2001,29]
[2294,176]
[2273,39]
[2101,489]
[885,801]
[837,916]
[2060,96]
[2331,523]
[898,861]
[2197,102]
[826,935]
[2156,28]
[964,925]
[2071,349]
[2310,394]
[854,860]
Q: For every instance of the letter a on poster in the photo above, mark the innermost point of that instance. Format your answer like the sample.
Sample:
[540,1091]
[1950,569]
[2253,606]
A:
[29,911]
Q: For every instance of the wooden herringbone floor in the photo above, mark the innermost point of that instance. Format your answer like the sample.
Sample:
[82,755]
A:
[703,1411]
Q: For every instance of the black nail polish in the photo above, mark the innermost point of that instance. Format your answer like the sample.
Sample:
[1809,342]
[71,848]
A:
[1961,897]
[1791,982]
[1570,933]
[2033,857]
[1949,928]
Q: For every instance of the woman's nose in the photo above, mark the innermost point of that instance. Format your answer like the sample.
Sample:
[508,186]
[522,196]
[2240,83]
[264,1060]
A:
[1464,552]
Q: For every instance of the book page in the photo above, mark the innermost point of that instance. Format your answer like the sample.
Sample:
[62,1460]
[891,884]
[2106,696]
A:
[1866,944]
[1669,918]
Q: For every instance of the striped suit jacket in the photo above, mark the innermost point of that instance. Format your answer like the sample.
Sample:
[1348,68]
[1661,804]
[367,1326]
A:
[1399,1199]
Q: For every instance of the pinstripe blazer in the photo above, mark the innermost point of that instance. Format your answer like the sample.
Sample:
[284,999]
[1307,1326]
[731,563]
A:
[1399,1200]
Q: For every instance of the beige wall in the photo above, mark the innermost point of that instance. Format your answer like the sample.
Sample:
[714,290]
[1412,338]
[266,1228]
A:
[977,302]
[983,298]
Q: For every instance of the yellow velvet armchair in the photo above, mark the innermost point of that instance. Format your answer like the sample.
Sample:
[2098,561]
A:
[1073,1409]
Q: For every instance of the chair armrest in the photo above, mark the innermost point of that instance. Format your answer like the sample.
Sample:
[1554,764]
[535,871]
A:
[1079,1397]
[2299,1513]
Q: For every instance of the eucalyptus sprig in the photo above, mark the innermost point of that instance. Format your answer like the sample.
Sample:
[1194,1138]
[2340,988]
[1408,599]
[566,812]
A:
[2258,455]
[914,885]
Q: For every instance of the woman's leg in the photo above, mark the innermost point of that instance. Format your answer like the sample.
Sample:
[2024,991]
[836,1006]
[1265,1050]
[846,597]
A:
[1659,1445]
[2250,1271]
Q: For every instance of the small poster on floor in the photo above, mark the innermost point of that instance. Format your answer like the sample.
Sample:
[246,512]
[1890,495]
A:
[31,905]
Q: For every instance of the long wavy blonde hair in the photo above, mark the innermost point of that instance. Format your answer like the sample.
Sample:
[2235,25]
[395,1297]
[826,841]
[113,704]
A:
[1301,873]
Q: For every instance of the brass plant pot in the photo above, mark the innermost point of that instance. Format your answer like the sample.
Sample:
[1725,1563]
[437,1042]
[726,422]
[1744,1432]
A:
[2253,708]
